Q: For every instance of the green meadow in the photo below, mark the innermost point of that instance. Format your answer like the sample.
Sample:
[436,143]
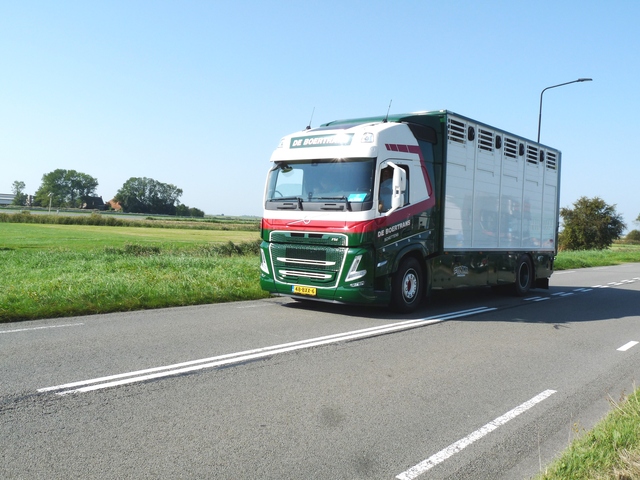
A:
[28,236]
[50,270]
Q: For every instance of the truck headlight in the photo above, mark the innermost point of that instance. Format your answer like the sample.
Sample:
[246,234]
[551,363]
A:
[354,273]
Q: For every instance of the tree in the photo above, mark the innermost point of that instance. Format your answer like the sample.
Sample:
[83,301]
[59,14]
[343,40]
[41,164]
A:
[146,195]
[67,188]
[591,224]
[20,197]
[633,236]
[185,211]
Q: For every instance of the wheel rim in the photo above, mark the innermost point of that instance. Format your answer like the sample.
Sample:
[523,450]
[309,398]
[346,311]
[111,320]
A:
[410,286]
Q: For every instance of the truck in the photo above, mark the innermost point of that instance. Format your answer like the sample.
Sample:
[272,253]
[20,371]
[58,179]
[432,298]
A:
[384,210]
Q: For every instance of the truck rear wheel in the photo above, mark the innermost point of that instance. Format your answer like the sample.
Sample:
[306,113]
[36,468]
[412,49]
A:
[524,276]
[407,286]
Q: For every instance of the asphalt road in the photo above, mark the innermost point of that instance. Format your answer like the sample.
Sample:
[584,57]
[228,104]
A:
[475,385]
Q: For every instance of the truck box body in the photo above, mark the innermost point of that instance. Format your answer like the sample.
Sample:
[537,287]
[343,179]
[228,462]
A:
[382,210]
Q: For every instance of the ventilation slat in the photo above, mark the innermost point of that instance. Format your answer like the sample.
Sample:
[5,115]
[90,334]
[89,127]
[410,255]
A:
[532,155]
[552,161]
[510,148]
[456,131]
[485,140]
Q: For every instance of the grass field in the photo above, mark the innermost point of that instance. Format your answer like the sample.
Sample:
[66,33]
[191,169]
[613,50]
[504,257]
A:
[64,270]
[617,254]
[20,236]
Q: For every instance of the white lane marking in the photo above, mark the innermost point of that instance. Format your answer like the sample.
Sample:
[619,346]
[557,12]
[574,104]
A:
[456,447]
[40,328]
[258,305]
[627,346]
[536,299]
[194,365]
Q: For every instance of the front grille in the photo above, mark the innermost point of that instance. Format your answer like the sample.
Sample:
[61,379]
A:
[307,254]
[310,238]
[308,264]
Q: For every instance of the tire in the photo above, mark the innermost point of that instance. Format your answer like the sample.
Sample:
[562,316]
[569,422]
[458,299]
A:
[524,276]
[407,286]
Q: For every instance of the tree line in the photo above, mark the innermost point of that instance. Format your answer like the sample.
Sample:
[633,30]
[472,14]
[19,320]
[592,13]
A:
[71,189]
[591,224]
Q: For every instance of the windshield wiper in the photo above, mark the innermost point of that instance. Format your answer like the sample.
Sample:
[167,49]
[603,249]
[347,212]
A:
[346,200]
[284,199]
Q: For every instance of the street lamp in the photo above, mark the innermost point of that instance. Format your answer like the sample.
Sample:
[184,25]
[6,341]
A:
[50,193]
[554,86]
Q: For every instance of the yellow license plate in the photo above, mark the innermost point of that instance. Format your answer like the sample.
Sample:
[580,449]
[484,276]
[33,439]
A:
[300,290]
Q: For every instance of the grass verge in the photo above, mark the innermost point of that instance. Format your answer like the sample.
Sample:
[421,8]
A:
[58,283]
[57,270]
[617,254]
[611,450]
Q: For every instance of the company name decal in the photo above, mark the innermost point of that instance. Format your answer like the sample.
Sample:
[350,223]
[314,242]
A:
[461,271]
[383,232]
[334,140]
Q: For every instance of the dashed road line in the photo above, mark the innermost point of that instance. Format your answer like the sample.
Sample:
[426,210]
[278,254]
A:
[40,328]
[456,447]
[536,299]
[627,346]
[582,290]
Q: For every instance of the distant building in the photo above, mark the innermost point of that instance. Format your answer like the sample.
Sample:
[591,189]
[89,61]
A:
[6,198]
[115,205]
[93,203]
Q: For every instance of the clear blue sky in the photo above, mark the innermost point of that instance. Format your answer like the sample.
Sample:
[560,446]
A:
[199,93]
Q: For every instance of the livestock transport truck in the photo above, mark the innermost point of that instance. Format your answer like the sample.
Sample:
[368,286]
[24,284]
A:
[383,210]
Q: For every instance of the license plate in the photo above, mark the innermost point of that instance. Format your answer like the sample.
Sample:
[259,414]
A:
[300,290]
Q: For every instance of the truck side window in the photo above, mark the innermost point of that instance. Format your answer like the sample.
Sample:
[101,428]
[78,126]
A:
[386,189]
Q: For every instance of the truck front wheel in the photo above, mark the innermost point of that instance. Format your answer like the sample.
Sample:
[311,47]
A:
[407,286]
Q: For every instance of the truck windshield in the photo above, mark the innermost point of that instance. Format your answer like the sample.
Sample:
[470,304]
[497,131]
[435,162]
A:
[310,183]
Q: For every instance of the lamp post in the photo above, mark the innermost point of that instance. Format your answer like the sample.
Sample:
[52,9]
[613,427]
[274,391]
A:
[50,193]
[554,86]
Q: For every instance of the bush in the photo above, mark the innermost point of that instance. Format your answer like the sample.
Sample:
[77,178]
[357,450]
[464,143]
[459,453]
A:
[632,237]
[134,249]
[231,249]
[590,225]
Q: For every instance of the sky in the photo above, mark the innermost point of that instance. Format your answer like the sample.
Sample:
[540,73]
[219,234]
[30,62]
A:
[198,93]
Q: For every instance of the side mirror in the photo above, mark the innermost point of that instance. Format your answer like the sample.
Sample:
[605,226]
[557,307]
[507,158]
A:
[399,187]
